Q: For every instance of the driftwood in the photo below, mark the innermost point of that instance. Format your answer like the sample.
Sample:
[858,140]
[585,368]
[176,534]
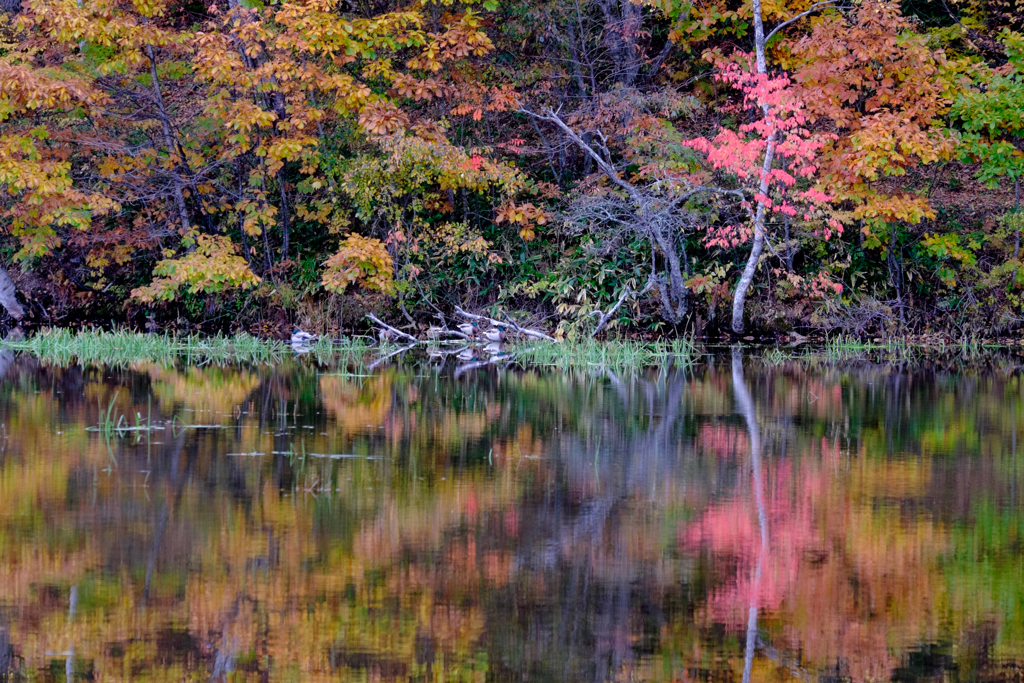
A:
[508,322]
[393,330]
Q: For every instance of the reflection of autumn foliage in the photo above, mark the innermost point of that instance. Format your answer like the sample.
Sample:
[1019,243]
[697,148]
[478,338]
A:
[730,529]
[723,441]
[521,523]
[209,390]
[842,573]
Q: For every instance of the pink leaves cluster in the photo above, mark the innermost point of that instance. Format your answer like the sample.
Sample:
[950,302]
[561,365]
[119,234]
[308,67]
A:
[728,236]
[780,118]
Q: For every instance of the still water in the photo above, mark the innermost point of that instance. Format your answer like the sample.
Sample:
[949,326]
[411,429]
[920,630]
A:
[726,521]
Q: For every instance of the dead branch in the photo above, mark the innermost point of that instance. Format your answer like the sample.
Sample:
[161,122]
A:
[434,332]
[508,322]
[393,330]
[814,8]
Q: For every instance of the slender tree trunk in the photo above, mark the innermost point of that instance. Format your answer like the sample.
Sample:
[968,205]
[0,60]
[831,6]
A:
[789,248]
[631,18]
[740,297]
[548,151]
[285,218]
[267,265]
[896,274]
[785,223]
[239,168]
[8,298]
[577,61]
[1017,224]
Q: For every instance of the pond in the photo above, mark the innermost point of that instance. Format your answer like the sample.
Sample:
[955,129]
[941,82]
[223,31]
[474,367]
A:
[724,520]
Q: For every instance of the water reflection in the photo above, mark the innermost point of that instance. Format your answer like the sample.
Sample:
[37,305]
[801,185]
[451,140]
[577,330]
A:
[745,407]
[726,521]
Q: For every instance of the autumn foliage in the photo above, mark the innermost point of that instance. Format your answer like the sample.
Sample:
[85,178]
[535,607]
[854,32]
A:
[158,157]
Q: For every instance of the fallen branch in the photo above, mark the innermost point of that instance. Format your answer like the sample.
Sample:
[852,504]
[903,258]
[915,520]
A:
[392,330]
[508,322]
[434,332]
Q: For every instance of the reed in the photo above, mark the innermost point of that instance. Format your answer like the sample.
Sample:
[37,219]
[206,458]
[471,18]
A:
[612,355]
[119,348]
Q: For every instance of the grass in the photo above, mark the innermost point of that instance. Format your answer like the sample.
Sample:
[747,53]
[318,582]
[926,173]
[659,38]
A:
[110,427]
[611,355]
[894,349]
[119,348]
[64,347]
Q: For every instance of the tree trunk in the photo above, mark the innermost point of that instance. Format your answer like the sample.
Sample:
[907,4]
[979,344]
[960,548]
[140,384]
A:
[620,33]
[285,218]
[789,247]
[740,297]
[676,301]
[8,298]
[896,274]
[1016,224]
[631,19]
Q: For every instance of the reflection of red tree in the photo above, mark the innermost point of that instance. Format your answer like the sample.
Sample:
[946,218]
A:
[723,441]
[852,580]
[730,531]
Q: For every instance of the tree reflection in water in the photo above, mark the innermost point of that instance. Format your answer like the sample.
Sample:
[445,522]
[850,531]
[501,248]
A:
[306,523]
[745,406]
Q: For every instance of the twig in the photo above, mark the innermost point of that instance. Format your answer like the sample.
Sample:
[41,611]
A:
[814,8]
[392,330]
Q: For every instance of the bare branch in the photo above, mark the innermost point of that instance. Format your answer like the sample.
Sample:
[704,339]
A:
[393,330]
[814,8]
[605,167]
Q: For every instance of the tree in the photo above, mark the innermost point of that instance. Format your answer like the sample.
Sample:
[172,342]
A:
[652,207]
[196,144]
[867,75]
[991,115]
[748,157]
